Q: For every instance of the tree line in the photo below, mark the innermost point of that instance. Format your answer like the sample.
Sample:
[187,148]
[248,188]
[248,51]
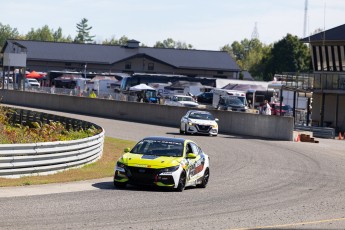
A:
[260,60]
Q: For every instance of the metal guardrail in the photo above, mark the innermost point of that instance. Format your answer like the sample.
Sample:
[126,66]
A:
[323,132]
[24,117]
[17,160]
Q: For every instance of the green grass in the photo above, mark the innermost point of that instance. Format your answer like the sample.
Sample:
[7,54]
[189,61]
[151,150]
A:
[104,167]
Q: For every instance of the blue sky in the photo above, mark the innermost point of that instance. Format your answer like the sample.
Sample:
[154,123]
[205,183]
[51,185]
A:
[207,25]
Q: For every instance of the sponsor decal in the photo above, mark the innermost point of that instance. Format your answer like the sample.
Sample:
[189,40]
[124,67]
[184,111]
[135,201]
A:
[197,167]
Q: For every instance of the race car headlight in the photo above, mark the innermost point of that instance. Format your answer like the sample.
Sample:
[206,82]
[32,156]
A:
[215,126]
[190,123]
[120,166]
[170,169]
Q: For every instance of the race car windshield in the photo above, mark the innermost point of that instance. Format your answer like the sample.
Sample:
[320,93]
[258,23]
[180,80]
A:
[159,148]
[201,116]
[185,99]
[231,101]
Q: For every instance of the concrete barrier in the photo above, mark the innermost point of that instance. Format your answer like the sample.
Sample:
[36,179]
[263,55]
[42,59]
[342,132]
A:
[270,127]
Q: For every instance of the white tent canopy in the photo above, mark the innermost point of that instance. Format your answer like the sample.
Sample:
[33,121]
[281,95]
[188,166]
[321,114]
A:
[141,87]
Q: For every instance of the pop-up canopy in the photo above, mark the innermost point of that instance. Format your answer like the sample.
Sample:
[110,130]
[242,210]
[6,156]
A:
[34,74]
[141,87]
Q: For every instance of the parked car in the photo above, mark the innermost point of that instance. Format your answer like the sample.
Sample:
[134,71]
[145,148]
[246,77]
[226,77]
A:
[231,103]
[182,100]
[197,121]
[275,109]
[206,98]
[31,82]
[164,162]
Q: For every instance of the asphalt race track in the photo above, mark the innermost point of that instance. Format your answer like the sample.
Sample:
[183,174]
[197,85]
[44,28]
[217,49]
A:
[254,184]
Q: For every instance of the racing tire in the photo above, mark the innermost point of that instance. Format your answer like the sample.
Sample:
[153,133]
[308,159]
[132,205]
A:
[181,182]
[205,178]
[119,185]
[185,130]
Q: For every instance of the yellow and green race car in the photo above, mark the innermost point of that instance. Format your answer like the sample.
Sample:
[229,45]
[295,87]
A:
[165,162]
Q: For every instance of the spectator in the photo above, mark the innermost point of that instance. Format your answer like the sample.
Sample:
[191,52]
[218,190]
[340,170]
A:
[92,94]
[266,108]
[52,89]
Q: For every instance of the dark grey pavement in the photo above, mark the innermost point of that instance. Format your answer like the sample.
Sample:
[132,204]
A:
[254,183]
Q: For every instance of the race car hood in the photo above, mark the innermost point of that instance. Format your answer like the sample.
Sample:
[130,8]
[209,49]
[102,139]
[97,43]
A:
[150,161]
[203,122]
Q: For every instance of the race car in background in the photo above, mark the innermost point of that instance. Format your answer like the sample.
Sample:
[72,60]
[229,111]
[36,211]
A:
[198,121]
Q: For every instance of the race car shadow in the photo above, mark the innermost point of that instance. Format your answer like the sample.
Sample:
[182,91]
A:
[110,186]
[186,135]
[104,185]
[150,188]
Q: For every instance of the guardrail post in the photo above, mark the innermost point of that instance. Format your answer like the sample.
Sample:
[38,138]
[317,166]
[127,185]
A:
[21,117]
[41,117]
[14,117]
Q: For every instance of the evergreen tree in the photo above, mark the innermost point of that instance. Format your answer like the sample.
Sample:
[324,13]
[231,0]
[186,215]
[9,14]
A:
[83,31]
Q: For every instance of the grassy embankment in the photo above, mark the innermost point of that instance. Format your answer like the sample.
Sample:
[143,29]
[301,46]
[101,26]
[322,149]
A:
[113,149]
[33,132]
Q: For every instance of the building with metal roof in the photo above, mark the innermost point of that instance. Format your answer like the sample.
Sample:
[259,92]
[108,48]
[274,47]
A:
[47,56]
[327,82]
[328,49]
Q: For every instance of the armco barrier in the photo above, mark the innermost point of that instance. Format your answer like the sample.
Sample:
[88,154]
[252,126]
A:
[17,160]
[248,124]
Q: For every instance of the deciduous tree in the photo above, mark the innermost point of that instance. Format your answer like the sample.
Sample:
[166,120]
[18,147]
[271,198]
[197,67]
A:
[287,55]
[47,34]
[170,43]
[6,32]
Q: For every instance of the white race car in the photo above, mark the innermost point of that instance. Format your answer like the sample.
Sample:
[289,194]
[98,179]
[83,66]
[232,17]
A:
[197,121]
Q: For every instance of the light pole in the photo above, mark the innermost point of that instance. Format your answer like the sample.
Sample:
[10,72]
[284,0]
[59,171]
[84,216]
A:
[85,70]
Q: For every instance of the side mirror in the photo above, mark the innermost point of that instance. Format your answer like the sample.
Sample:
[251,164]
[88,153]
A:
[191,155]
[216,119]
[127,150]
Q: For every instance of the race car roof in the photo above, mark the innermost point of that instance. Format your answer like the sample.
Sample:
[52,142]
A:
[199,111]
[167,139]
